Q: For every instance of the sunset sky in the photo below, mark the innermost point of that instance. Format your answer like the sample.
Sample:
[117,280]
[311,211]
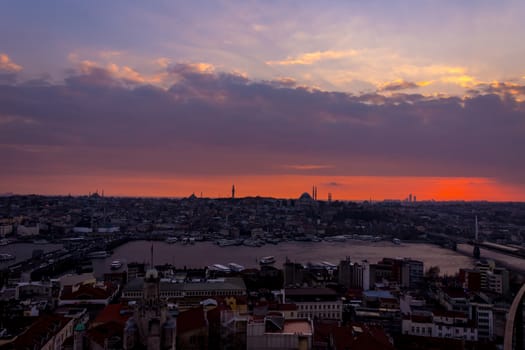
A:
[365,99]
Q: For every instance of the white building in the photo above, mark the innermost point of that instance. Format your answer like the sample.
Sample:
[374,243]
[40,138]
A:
[315,303]
[28,230]
[6,230]
[436,324]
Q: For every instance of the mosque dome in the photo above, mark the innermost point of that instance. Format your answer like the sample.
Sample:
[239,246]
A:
[305,196]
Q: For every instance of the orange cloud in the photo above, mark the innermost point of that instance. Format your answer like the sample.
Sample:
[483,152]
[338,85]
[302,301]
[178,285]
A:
[313,57]
[163,62]
[125,73]
[202,67]
[6,64]
[464,80]
[400,84]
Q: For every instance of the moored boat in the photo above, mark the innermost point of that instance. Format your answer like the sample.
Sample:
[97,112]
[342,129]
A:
[5,241]
[115,264]
[171,240]
[98,255]
[6,257]
[235,267]
[219,267]
[267,260]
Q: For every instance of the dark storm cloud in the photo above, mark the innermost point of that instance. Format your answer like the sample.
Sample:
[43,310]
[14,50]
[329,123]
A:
[399,85]
[217,123]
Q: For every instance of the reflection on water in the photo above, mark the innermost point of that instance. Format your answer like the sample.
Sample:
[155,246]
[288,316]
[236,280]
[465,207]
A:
[206,253]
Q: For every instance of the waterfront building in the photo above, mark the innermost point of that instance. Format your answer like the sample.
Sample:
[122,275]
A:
[294,273]
[411,273]
[39,290]
[187,294]
[498,280]
[484,267]
[315,303]
[354,275]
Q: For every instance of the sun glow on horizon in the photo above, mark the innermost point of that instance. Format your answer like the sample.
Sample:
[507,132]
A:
[278,186]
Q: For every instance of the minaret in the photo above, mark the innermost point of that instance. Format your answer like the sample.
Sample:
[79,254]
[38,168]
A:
[151,261]
[476,232]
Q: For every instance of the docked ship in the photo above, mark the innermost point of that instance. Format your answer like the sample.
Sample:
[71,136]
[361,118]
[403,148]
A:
[219,267]
[6,257]
[5,241]
[235,267]
[98,255]
[267,260]
[227,242]
[115,265]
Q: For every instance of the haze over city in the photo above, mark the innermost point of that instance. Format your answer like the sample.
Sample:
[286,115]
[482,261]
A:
[364,100]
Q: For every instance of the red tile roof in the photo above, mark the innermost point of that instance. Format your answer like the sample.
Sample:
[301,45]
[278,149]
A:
[85,292]
[113,312]
[371,338]
[40,331]
[190,320]
[367,338]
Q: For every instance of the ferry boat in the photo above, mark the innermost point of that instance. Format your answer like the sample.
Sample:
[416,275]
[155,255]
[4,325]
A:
[115,265]
[235,267]
[6,257]
[219,267]
[98,255]
[5,241]
[171,240]
[188,240]
[226,242]
[267,260]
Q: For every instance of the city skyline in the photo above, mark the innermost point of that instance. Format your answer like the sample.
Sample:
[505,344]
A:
[373,100]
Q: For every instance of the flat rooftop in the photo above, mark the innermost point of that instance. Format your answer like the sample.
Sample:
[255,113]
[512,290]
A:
[297,326]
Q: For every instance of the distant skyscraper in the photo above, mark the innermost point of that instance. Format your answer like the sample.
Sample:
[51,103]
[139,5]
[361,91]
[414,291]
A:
[329,198]
[410,197]
[233,191]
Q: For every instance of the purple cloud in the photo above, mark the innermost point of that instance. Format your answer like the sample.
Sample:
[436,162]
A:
[217,123]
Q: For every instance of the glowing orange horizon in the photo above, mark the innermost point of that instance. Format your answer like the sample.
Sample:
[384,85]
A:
[278,186]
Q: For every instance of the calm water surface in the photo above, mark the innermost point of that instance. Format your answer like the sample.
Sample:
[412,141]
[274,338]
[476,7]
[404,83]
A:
[206,253]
